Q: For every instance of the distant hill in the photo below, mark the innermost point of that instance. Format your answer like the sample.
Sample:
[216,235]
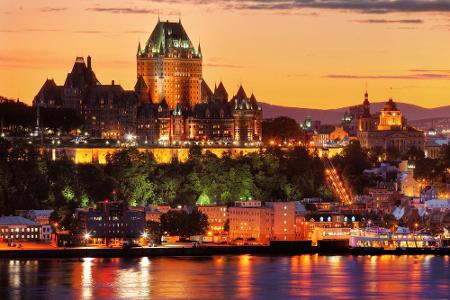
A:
[332,116]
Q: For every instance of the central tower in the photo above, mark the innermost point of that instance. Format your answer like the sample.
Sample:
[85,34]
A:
[170,66]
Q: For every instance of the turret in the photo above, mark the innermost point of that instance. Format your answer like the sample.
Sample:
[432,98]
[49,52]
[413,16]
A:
[199,50]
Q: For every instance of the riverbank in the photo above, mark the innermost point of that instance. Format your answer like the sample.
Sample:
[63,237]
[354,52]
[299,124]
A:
[277,249]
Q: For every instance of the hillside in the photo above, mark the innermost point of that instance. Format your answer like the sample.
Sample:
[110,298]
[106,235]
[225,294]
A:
[411,111]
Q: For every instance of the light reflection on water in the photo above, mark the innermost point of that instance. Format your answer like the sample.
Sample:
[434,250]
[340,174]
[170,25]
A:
[229,277]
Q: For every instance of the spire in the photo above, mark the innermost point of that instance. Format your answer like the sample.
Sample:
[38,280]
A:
[139,48]
[161,49]
[241,95]
[199,49]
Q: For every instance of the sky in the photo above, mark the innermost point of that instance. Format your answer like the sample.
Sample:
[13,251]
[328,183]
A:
[303,53]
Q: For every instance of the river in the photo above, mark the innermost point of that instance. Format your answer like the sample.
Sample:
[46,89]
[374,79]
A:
[229,277]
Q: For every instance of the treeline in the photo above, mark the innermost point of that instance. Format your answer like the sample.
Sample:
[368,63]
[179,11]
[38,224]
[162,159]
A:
[18,116]
[30,181]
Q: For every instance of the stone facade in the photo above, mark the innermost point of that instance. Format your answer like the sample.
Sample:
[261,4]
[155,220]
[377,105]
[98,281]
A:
[171,104]
[389,131]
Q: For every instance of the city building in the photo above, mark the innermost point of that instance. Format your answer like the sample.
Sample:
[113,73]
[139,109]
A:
[17,228]
[41,217]
[217,217]
[388,130]
[286,216]
[432,149]
[250,223]
[111,223]
[409,186]
[171,103]
[170,66]
[328,135]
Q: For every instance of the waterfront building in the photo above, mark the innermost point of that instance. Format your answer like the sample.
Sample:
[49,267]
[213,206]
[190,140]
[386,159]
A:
[252,223]
[17,228]
[217,217]
[111,223]
[41,217]
[286,215]
[152,215]
[388,130]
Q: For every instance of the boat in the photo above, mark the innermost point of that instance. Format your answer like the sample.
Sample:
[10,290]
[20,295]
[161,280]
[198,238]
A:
[383,239]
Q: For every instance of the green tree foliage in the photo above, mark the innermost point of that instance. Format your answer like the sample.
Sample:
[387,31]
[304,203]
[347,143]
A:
[31,181]
[153,230]
[281,129]
[181,223]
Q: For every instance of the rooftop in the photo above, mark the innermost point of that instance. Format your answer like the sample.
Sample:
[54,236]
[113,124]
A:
[15,220]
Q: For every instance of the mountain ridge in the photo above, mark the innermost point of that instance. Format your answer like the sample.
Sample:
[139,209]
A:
[332,116]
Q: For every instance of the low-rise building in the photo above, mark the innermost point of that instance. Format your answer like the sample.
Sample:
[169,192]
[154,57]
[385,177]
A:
[285,218]
[217,217]
[250,223]
[17,228]
[42,217]
[111,223]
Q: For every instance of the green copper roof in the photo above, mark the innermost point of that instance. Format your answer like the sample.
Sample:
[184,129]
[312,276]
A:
[169,36]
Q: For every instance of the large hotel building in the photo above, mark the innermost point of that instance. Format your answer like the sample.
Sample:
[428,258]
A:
[170,104]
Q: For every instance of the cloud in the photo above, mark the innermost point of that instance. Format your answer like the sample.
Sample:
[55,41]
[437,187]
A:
[131,10]
[364,6]
[52,9]
[430,70]
[385,21]
[421,76]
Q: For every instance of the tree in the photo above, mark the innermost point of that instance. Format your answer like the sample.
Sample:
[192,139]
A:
[282,129]
[153,230]
[183,224]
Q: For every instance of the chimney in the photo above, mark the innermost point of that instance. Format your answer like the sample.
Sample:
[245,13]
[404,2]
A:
[112,82]
[89,62]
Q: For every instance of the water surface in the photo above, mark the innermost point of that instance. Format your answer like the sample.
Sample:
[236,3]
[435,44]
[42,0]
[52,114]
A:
[229,277]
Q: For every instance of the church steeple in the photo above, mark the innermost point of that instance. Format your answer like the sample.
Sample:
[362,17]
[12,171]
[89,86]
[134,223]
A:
[366,105]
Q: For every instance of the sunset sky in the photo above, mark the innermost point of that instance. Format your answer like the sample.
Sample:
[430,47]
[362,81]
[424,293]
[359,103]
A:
[314,53]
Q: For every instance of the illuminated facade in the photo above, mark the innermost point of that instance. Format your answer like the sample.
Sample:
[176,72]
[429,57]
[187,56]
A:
[286,215]
[387,131]
[170,66]
[250,221]
[217,217]
[171,103]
